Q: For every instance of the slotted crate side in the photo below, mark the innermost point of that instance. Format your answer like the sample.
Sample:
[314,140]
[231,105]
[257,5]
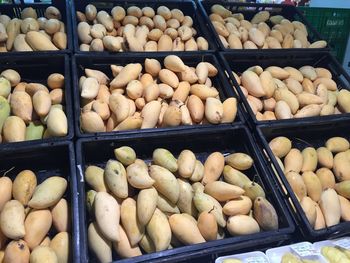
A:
[46,160]
[202,143]
[80,62]
[14,10]
[249,10]
[302,136]
[188,7]
[333,24]
[37,68]
[240,62]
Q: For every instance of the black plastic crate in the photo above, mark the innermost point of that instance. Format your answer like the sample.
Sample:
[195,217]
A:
[46,160]
[36,68]
[202,143]
[188,7]
[249,10]
[14,10]
[102,63]
[239,62]
[302,136]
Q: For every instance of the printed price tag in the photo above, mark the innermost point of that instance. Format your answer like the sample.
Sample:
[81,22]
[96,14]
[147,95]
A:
[343,243]
[303,249]
[256,260]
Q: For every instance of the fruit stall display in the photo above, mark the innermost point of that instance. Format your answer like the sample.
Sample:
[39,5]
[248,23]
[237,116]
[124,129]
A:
[241,26]
[313,172]
[175,194]
[158,92]
[178,131]
[140,26]
[37,27]
[39,216]
[284,88]
[35,99]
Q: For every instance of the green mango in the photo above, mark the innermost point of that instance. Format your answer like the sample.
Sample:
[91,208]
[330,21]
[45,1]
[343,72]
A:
[34,131]
[4,111]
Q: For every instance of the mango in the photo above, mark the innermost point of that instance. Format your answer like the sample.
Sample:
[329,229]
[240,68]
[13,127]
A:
[213,167]
[204,202]
[146,204]
[222,191]
[280,146]
[94,176]
[128,216]
[185,229]
[107,214]
[207,225]
[4,111]
[343,188]
[61,216]
[48,193]
[123,246]
[309,208]
[99,245]
[43,254]
[325,157]
[126,155]
[165,183]
[330,206]
[17,251]
[341,166]
[235,177]
[185,202]
[115,178]
[242,225]
[293,161]
[34,131]
[313,185]
[6,190]
[265,214]
[253,190]
[37,225]
[166,159]
[138,176]
[24,186]
[61,245]
[186,163]
[309,159]
[159,230]
[12,220]
[297,184]
[238,206]
[326,178]
[239,161]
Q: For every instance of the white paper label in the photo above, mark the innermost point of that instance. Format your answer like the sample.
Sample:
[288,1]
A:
[303,249]
[343,243]
[256,260]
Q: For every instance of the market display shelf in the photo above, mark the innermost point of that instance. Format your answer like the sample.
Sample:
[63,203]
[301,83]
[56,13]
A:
[46,160]
[102,63]
[240,62]
[202,143]
[249,10]
[188,7]
[302,136]
[36,68]
[14,10]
